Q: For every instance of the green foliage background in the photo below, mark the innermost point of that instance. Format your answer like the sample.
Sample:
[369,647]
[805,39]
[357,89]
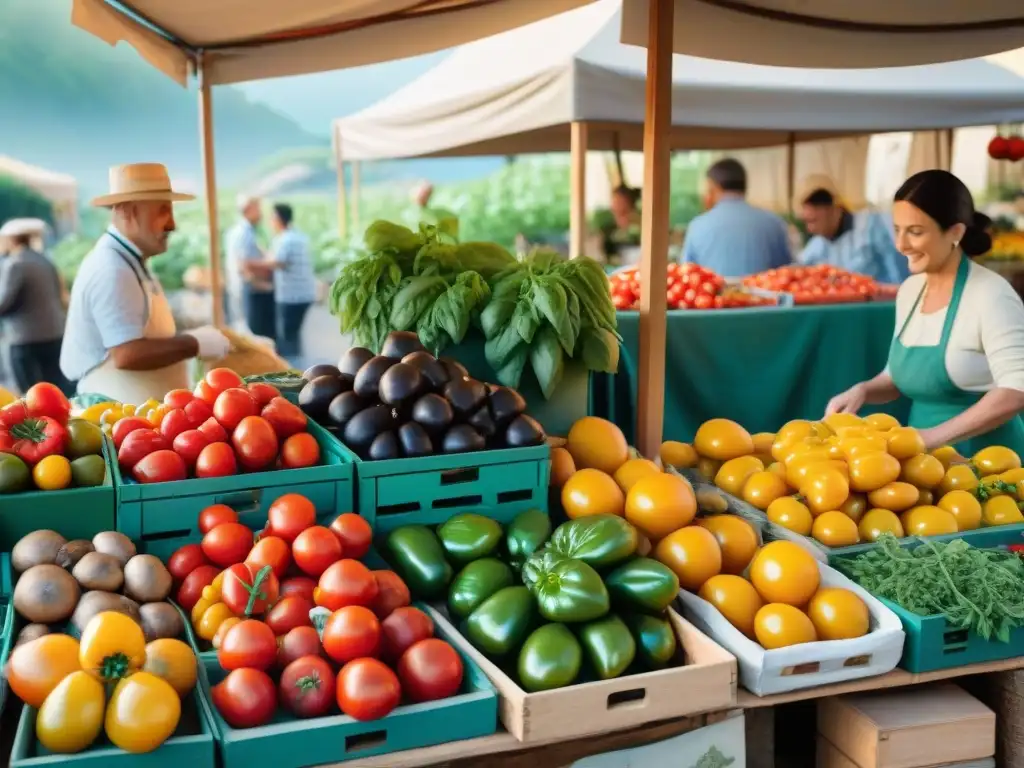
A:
[18,200]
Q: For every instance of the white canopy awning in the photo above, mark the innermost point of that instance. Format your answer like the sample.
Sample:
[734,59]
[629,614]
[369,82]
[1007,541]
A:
[519,91]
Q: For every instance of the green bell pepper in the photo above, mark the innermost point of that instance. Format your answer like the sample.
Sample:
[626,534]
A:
[501,623]
[475,583]
[643,584]
[469,537]
[571,591]
[417,556]
[550,658]
[526,534]
[602,541]
[655,639]
[536,567]
[609,646]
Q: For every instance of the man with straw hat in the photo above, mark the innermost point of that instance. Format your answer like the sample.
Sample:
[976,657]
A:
[121,340]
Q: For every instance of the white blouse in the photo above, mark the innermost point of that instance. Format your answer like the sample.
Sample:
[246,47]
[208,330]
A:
[986,342]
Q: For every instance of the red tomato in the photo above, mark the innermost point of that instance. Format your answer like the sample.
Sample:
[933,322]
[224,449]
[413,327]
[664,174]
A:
[178,398]
[189,444]
[392,593]
[273,551]
[351,633]
[213,431]
[214,515]
[430,670]
[307,687]
[245,698]
[255,442]
[262,392]
[402,629]
[174,423]
[160,467]
[249,643]
[300,450]
[367,689]
[299,642]
[138,444]
[206,393]
[220,379]
[198,411]
[300,586]
[185,560]
[703,301]
[248,591]
[216,460]
[233,405]
[191,588]
[289,613]
[45,399]
[345,582]
[354,533]
[315,549]
[290,515]
[285,417]
[227,544]
[125,427]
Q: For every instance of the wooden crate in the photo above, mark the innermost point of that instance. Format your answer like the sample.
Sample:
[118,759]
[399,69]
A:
[706,683]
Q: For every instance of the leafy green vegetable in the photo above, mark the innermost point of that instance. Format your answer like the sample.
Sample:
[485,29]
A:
[548,360]
[486,258]
[415,297]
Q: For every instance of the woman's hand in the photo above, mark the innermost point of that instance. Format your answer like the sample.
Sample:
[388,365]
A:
[850,401]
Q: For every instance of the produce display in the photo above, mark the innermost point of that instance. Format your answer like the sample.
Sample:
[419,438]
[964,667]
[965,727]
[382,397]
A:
[300,624]
[556,607]
[42,448]
[819,284]
[689,286]
[405,402]
[541,310]
[1007,246]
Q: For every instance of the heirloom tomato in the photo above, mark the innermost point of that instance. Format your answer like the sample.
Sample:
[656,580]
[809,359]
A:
[299,642]
[875,522]
[299,451]
[895,497]
[923,471]
[736,537]
[993,460]
[185,560]
[289,613]
[246,698]
[430,670]
[784,572]
[249,643]
[592,492]
[367,689]
[307,687]
[354,533]
[35,668]
[659,504]
[825,490]
[214,515]
[273,551]
[964,507]
[838,614]
[596,443]
[285,417]
[227,544]
[112,646]
[791,513]
[344,582]
[315,549]
[45,399]
[290,515]
[248,590]
[350,633]
[762,488]
[692,553]
[870,471]
[735,598]
[733,474]
[722,439]
[906,442]
[233,405]
[778,625]
[173,661]
[71,717]
[392,593]
[216,460]
[192,586]
[834,529]
[402,629]
[255,443]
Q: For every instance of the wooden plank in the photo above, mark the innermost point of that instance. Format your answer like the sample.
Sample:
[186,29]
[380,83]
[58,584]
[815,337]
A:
[210,184]
[577,189]
[339,168]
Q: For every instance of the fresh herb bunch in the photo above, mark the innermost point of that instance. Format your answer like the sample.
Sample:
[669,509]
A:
[977,589]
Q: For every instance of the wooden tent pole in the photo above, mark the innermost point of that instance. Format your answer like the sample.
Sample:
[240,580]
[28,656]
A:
[577,189]
[339,170]
[791,173]
[210,182]
[654,234]
[949,148]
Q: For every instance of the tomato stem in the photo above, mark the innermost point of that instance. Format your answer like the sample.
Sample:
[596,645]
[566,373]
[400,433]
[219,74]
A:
[254,589]
[310,682]
[114,667]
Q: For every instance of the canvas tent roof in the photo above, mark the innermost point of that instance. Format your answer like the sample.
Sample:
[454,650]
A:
[519,91]
[56,187]
[254,39]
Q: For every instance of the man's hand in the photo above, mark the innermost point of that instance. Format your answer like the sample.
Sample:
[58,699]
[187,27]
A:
[213,345]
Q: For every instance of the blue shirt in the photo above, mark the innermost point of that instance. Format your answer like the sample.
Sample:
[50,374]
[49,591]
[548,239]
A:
[735,239]
[294,281]
[109,306]
[865,247]
[241,246]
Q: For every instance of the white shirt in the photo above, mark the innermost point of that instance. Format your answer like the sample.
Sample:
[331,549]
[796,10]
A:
[242,246]
[986,342]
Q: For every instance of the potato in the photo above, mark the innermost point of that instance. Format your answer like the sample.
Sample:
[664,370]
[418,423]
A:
[69,555]
[31,632]
[146,579]
[161,620]
[99,571]
[116,544]
[46,594]
[98,602]
[36,548]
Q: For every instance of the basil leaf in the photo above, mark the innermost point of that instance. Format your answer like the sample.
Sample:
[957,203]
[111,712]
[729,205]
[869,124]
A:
[511,373]
[495,316]
[600,350]
[547,360]
[550,301]
[500,349]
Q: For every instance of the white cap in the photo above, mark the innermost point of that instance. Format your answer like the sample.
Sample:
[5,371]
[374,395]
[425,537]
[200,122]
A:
[23,227]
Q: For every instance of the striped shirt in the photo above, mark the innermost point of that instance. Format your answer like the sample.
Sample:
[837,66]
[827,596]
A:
[241,246]
[864,246]
[735,239]
[294,280]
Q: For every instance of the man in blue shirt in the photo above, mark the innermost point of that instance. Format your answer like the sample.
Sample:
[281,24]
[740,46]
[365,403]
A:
[733,238]
[251,294]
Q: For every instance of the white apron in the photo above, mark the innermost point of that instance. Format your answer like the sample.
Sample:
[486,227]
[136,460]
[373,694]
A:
[138,386]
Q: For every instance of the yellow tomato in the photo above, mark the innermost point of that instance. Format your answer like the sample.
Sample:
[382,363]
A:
[736,538]
[995,459]
[791,513]
[853,447]
[1001,510]
[659,504]
[798,465]
[692,553]
[52,473]
[928,521]
[211,620]
[72,715]
[708,468]
[837,421]
[142,714]
[722,439]
[870,471]
[112,646]
[958,477]
[562,467]
[173,661]
[34,669]
[111,415]
[855,506]
[824,490]
[905,442]
[923,470]
[128,409]
[964,508]
[633,470]
[778,625]
[592,492]
[791,432]
[881,422]
[735,598]
[763,442]
[822,430]
[925,498]
[1014,476]
[734,473]
[948,455]
[878,521]
[838,614]
[894,496]
[810,445]
[597,444]
[834,529]
[678,455]
[784,572]
[762,488]
[778,468]
[156,415]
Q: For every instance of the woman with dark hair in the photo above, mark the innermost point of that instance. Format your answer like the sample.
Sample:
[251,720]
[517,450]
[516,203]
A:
[958,351]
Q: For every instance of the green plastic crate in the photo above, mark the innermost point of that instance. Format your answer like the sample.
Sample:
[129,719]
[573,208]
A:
[160,517]
[191,745]
[931,642]
[287,742]
[6,621]
[75,513]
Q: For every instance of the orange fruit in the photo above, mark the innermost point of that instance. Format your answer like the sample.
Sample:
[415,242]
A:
[678,455]
[736,537]
[904,442]
[924,470]
[791,513]
[878,521]
[869,471]
[722,439]
[778,625]
[592,492]
[855,506]
[838,614]
[995,459]
[762,488]
[959,477]
[562,467]
[597,444]
[834,529]
[692,553]
[928,521]
[732,475]
[964,508]
[824,490]
[735,598]
[659,504]
[784,572]
[632,471]
[881,422]
[894,496]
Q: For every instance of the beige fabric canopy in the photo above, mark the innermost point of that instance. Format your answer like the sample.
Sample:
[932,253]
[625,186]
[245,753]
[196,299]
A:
[255,39]
[59,188]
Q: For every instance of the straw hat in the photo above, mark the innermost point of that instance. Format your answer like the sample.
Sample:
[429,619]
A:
[23,227]
[812,184]
[139,181]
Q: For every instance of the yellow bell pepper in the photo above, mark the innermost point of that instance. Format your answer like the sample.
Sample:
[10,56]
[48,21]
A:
[6,397]
[211,620]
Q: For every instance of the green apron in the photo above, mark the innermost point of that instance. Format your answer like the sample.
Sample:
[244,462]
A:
[920,374]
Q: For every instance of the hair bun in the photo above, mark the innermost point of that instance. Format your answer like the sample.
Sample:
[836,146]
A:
[976,241]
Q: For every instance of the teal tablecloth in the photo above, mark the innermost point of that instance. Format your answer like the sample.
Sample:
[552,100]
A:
[759,367]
